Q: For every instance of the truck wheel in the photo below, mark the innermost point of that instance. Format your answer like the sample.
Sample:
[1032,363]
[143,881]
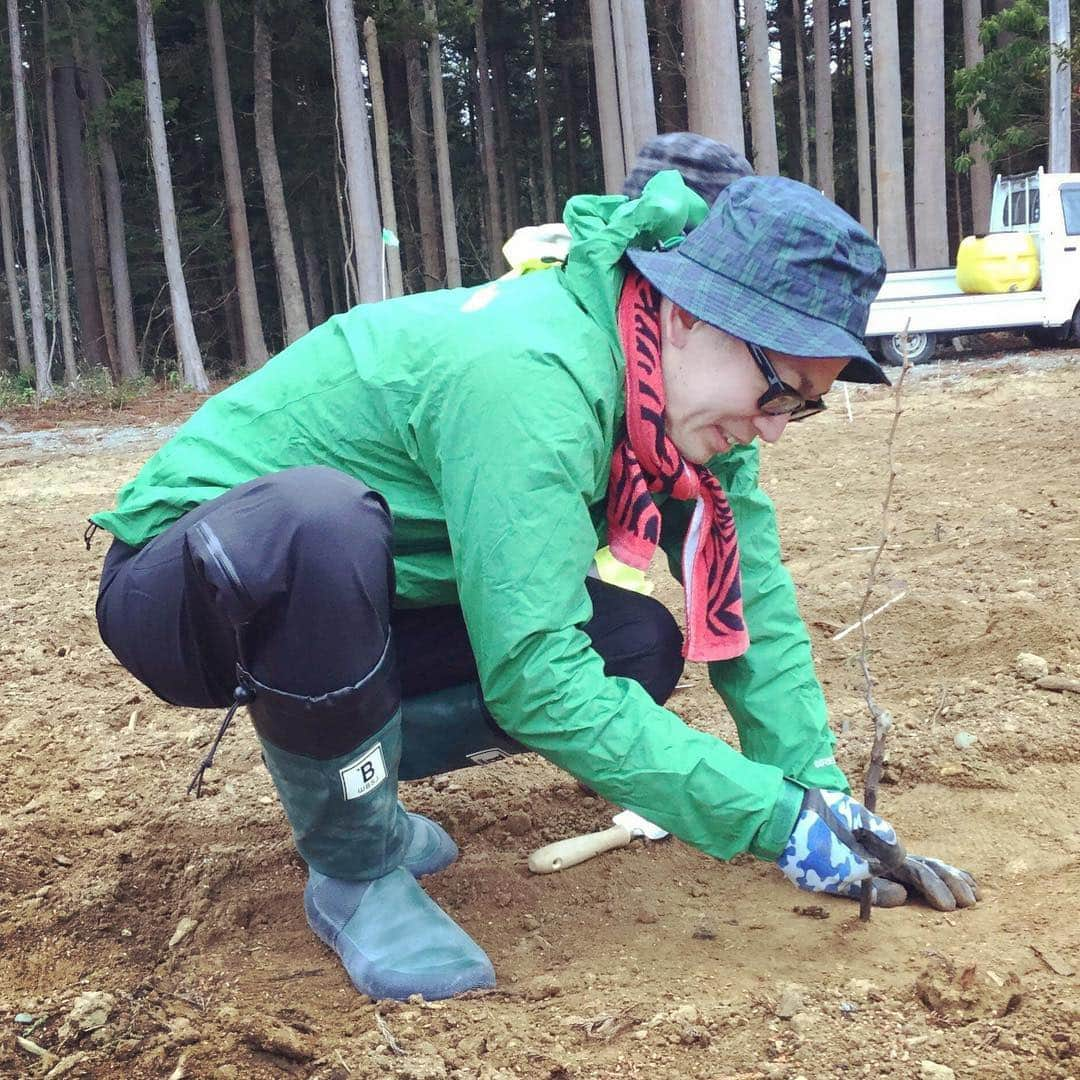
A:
[1049,337]
[920,348]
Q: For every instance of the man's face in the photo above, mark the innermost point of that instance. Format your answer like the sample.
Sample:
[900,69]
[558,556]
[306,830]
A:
[712,386]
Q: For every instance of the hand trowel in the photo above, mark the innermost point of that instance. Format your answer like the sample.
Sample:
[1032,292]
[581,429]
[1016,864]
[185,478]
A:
[627,827]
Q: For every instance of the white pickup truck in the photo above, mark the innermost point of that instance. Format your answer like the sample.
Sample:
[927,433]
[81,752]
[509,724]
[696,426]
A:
[929,305]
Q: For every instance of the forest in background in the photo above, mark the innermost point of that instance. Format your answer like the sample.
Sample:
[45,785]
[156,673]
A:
[188,185]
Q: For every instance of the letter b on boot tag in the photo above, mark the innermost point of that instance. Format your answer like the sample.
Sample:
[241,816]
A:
[364,774]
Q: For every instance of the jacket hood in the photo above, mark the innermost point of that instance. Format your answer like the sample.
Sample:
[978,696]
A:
[602,227]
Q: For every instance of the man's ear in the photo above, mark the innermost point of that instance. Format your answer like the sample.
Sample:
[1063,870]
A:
[675,322]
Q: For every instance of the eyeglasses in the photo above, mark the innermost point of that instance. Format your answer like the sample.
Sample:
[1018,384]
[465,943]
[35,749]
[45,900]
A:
[781,399]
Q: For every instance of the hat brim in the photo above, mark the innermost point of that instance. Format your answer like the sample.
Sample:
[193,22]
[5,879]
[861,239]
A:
[747,314]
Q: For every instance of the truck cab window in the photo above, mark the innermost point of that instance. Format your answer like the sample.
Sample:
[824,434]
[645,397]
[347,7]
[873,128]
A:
[1022,207]
[1070,206]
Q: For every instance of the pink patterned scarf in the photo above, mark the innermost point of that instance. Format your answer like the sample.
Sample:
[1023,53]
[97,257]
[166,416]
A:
[645,461]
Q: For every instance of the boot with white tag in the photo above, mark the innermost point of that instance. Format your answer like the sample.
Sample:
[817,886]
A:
[363,850]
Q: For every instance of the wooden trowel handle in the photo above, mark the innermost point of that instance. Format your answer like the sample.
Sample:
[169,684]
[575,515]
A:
[576,849]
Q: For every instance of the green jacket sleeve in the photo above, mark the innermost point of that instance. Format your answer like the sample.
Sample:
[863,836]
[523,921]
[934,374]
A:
[516,454]
[771,691]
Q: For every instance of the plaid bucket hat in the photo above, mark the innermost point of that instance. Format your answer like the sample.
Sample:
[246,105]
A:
[778,264]
[707,166]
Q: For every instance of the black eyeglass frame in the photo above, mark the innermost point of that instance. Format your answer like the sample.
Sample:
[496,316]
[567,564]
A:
[780,399]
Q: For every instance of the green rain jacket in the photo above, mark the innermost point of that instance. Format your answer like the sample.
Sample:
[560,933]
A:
[487,417]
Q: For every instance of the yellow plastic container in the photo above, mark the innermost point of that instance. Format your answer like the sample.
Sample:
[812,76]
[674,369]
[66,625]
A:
[998,263]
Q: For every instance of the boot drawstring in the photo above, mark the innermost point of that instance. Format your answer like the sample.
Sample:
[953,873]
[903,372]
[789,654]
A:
[241,696]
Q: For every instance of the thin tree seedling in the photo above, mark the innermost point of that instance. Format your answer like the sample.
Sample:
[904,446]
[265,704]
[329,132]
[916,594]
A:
[882,719]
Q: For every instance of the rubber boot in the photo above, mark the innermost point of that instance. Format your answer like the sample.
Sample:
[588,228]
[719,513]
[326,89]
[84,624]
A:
[450,729]
[430,847]
[354,835]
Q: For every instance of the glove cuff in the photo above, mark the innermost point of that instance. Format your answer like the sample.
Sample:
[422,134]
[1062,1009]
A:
[773,836]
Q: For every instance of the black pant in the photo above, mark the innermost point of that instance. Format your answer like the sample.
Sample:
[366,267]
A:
[292,576]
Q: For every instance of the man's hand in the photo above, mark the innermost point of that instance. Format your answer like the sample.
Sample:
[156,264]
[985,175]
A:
[942,886]
[837,844]
[840,847]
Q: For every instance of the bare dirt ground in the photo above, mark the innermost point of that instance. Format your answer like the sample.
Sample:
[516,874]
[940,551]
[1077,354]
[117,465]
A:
[143,934]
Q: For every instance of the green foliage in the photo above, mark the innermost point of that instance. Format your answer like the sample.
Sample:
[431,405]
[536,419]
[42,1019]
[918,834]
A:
[306,135]
[124,393]
[96,385]
[92,386]
[1010,87]
[123,112]
[15,389]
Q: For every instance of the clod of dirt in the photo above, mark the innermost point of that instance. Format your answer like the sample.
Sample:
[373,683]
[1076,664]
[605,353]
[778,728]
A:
[182,1032]
[518,824]
[45,1058]
[811,911]
[183,928]
[692,1035]
[646,916]
[472,1045]
[1058,683]
[90,1012]
[603,1027]
[66,1065]
[931,1070]
[1031,667]
[791,1001]
[475,819]
[420,1066]
[802,1023]
[262,1033]
[864,990]
[968,993]
[544,986]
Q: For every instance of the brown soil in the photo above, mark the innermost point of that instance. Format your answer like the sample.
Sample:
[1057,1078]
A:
[654,961]
[158,405]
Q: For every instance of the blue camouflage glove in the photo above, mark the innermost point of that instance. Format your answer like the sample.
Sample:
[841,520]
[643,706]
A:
[838,845]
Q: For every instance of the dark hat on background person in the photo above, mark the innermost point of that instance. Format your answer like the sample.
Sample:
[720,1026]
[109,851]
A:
[778,264]
[707,166]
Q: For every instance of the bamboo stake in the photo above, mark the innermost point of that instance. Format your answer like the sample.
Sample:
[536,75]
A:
[841,634]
